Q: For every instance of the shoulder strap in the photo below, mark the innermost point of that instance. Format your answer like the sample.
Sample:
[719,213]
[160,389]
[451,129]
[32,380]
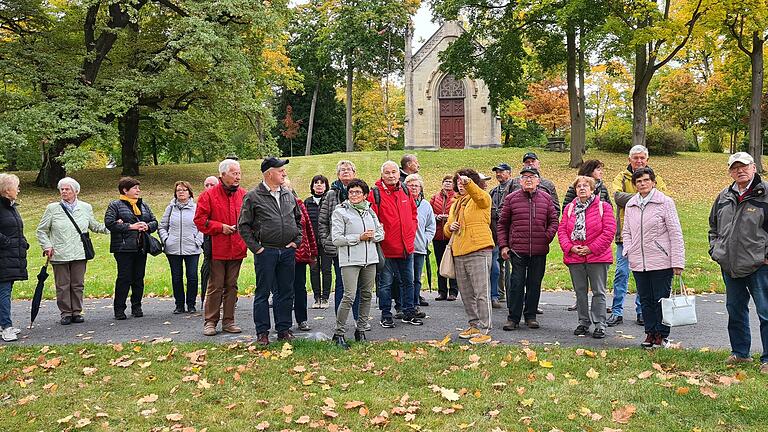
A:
[377,196]
[77,227]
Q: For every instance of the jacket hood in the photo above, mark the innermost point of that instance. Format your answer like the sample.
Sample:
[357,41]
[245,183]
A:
[657,198]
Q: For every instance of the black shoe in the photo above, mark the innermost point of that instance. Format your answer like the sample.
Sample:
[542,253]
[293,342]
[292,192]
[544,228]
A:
[640,321]
[412,321]
[581,330]
[398,315]
[359,336]
[387,323]
[77,319]
[423,302]
[598,333]
[441,297]
[137,312]
[67,320]
[120,316]
[191,309]
[509,326]
[420,314]
[340,342]
[539,311]
[614,320]
[178,310]
[571,308]
[532,323]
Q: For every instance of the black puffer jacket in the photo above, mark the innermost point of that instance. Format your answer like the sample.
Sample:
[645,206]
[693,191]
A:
[314,215]
[13,245]
[122,238]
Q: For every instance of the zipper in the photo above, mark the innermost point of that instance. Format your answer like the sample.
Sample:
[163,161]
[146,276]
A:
[531,213]
[642,233]
[181,229]
[362,219]
[660,248]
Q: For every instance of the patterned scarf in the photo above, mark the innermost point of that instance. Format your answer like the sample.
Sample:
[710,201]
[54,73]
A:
[342,190]
[580,227]
[70,206]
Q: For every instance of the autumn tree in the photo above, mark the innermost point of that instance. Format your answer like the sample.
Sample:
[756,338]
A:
[547,105]
[290,127]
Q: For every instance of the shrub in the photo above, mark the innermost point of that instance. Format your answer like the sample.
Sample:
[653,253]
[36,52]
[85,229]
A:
[664,140]
[714,142]
[615,137]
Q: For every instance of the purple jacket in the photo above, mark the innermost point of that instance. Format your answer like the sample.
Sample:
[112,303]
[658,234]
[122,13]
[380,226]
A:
[600,230]
[653,239]
[528,223]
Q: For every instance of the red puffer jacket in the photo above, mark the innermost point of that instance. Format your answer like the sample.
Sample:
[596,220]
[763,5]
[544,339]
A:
[441,204]
[216,207]
[397,214]
[528,223]
[307,251]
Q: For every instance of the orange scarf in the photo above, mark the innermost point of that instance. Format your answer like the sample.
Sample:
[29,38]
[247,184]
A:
[133,203]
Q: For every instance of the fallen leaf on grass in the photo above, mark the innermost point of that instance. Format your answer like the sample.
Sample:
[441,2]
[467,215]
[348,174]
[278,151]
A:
[83,422]
[380,420]
[353,404]
[474,358]
[197,357]
[707,391]
[262,426]
[287,409]
[66,419]
[204,384]
[546,364]
[147,399]
[592,373]
[623,414]
[27,399]
[52,363]
[302,420]
[87,371]
[682,391]
[148,412]
[174,417]
[645,374]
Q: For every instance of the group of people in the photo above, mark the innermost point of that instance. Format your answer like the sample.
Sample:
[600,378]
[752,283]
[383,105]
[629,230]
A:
[375,238]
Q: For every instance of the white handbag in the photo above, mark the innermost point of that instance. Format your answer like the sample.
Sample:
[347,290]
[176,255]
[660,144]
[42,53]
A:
[680,308]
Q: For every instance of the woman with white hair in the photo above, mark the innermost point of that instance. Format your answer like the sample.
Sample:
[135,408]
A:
[13,251]
[59,234]
[424,233]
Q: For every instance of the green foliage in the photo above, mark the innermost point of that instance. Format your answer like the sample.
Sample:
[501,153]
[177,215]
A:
[714,142]
[615,137]
[664,140]
[524,134]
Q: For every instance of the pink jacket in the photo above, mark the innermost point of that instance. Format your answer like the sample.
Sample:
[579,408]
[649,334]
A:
[600,232]
[653,239]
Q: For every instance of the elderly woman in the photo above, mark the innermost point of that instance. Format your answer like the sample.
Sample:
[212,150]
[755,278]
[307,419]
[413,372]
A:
[128,220]
[59,235]
[441,205]
[469,225]
[590,168]
[183,245]
[585,234]
[425,232]
[13,251]
[355,231]
[322,266]
[653,245]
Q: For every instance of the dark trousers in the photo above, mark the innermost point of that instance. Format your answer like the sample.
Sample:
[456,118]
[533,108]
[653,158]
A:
[300,292]
[524,287]
[130,277]
[737,294]
[651,287]
[322,267]
[442,282]
[275,269]
[205,270]
[339,293]
[177,263]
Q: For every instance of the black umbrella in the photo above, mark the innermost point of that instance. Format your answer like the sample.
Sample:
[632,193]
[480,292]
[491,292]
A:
[38,297]
[429,271]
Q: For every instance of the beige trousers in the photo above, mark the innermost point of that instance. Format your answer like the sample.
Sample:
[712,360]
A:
[69,278]
[473,278]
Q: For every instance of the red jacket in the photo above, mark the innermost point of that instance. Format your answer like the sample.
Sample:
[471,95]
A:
[441,204]
[600,228]
[216,207]
[398,216]
[307,251]
[528,223]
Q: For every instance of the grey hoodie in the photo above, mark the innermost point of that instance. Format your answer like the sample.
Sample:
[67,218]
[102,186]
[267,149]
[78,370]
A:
[178,231]
[346,226]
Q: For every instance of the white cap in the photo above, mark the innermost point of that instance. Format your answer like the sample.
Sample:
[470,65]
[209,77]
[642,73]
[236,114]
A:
[484,177]
[742,157]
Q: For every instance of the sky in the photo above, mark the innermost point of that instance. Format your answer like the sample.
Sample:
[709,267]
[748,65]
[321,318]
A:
[423,26]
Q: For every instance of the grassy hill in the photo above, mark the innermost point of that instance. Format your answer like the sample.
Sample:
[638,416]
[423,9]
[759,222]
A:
[693,179]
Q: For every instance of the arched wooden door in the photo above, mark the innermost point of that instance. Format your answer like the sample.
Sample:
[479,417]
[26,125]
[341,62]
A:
[451,95]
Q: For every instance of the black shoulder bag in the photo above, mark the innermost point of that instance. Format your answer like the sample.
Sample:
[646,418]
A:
[90,252]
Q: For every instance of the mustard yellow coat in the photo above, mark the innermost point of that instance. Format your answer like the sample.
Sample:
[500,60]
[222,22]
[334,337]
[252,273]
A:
[475,221]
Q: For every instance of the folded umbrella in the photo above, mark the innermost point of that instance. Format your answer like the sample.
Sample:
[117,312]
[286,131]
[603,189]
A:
[38,297]
[429,271]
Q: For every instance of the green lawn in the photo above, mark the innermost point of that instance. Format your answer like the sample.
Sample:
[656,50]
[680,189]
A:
[694,179]
[396,386]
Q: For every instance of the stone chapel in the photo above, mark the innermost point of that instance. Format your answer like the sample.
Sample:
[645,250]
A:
[441,111]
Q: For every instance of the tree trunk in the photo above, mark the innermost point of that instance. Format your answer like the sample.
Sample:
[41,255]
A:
[582,93]
[308,148]
[577,142]
[755,111]
[350,75]
[640,96]
[128,126]
[154,150]
[52,170]
[506,136]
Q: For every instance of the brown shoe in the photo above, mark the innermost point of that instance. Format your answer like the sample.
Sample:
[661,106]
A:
[764,368]
[451,297]
[532,324]
[734,359]
[286,336]
[231,328]
[209,329]
[263,339]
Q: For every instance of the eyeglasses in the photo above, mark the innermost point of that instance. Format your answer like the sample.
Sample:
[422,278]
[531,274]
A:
[182,190]
[739,168]
[341,170]
[528,178]
[355,192]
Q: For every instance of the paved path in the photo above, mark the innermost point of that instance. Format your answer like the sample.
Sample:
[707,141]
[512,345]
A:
[557,325]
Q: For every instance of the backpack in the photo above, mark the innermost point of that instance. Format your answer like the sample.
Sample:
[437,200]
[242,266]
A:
[377,194]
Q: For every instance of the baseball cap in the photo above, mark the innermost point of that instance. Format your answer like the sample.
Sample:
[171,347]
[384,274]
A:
[529,170]
[502,167]
[742,157]
[272,162]
[530,155]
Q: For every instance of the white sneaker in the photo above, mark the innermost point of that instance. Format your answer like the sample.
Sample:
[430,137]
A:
[9,335]
[16,330]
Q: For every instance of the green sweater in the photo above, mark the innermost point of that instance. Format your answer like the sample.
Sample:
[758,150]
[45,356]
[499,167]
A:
[56,231]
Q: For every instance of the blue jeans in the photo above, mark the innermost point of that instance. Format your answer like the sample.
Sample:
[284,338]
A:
[177,263]
[402,267]
[418,269]
[5,304]
[621,284]
[339,292]
[275,269]
[652,286]
[495,271]
[737,293]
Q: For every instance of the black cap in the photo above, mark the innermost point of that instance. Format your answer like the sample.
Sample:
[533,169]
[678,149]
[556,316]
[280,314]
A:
[529,170]
[502,167]
[272,162]
[530,155]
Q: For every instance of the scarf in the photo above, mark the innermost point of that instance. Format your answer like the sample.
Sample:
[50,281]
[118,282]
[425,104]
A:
[133,203]
[230,189]
[361,207]
[70,207]
[419,199]
[341,190]
[644,201]
[580,227]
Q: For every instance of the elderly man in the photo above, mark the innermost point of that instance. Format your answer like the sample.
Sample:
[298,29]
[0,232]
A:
[205,269]
[345,171]
[216,216]
[530,160]
[524,236]
[270,224]
[624,191]
[498,272]
[397,212]
[738,241]
[409,164]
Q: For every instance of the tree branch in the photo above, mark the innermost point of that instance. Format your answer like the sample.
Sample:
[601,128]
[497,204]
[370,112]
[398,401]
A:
[739,36]
[690,24]
[170,5]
